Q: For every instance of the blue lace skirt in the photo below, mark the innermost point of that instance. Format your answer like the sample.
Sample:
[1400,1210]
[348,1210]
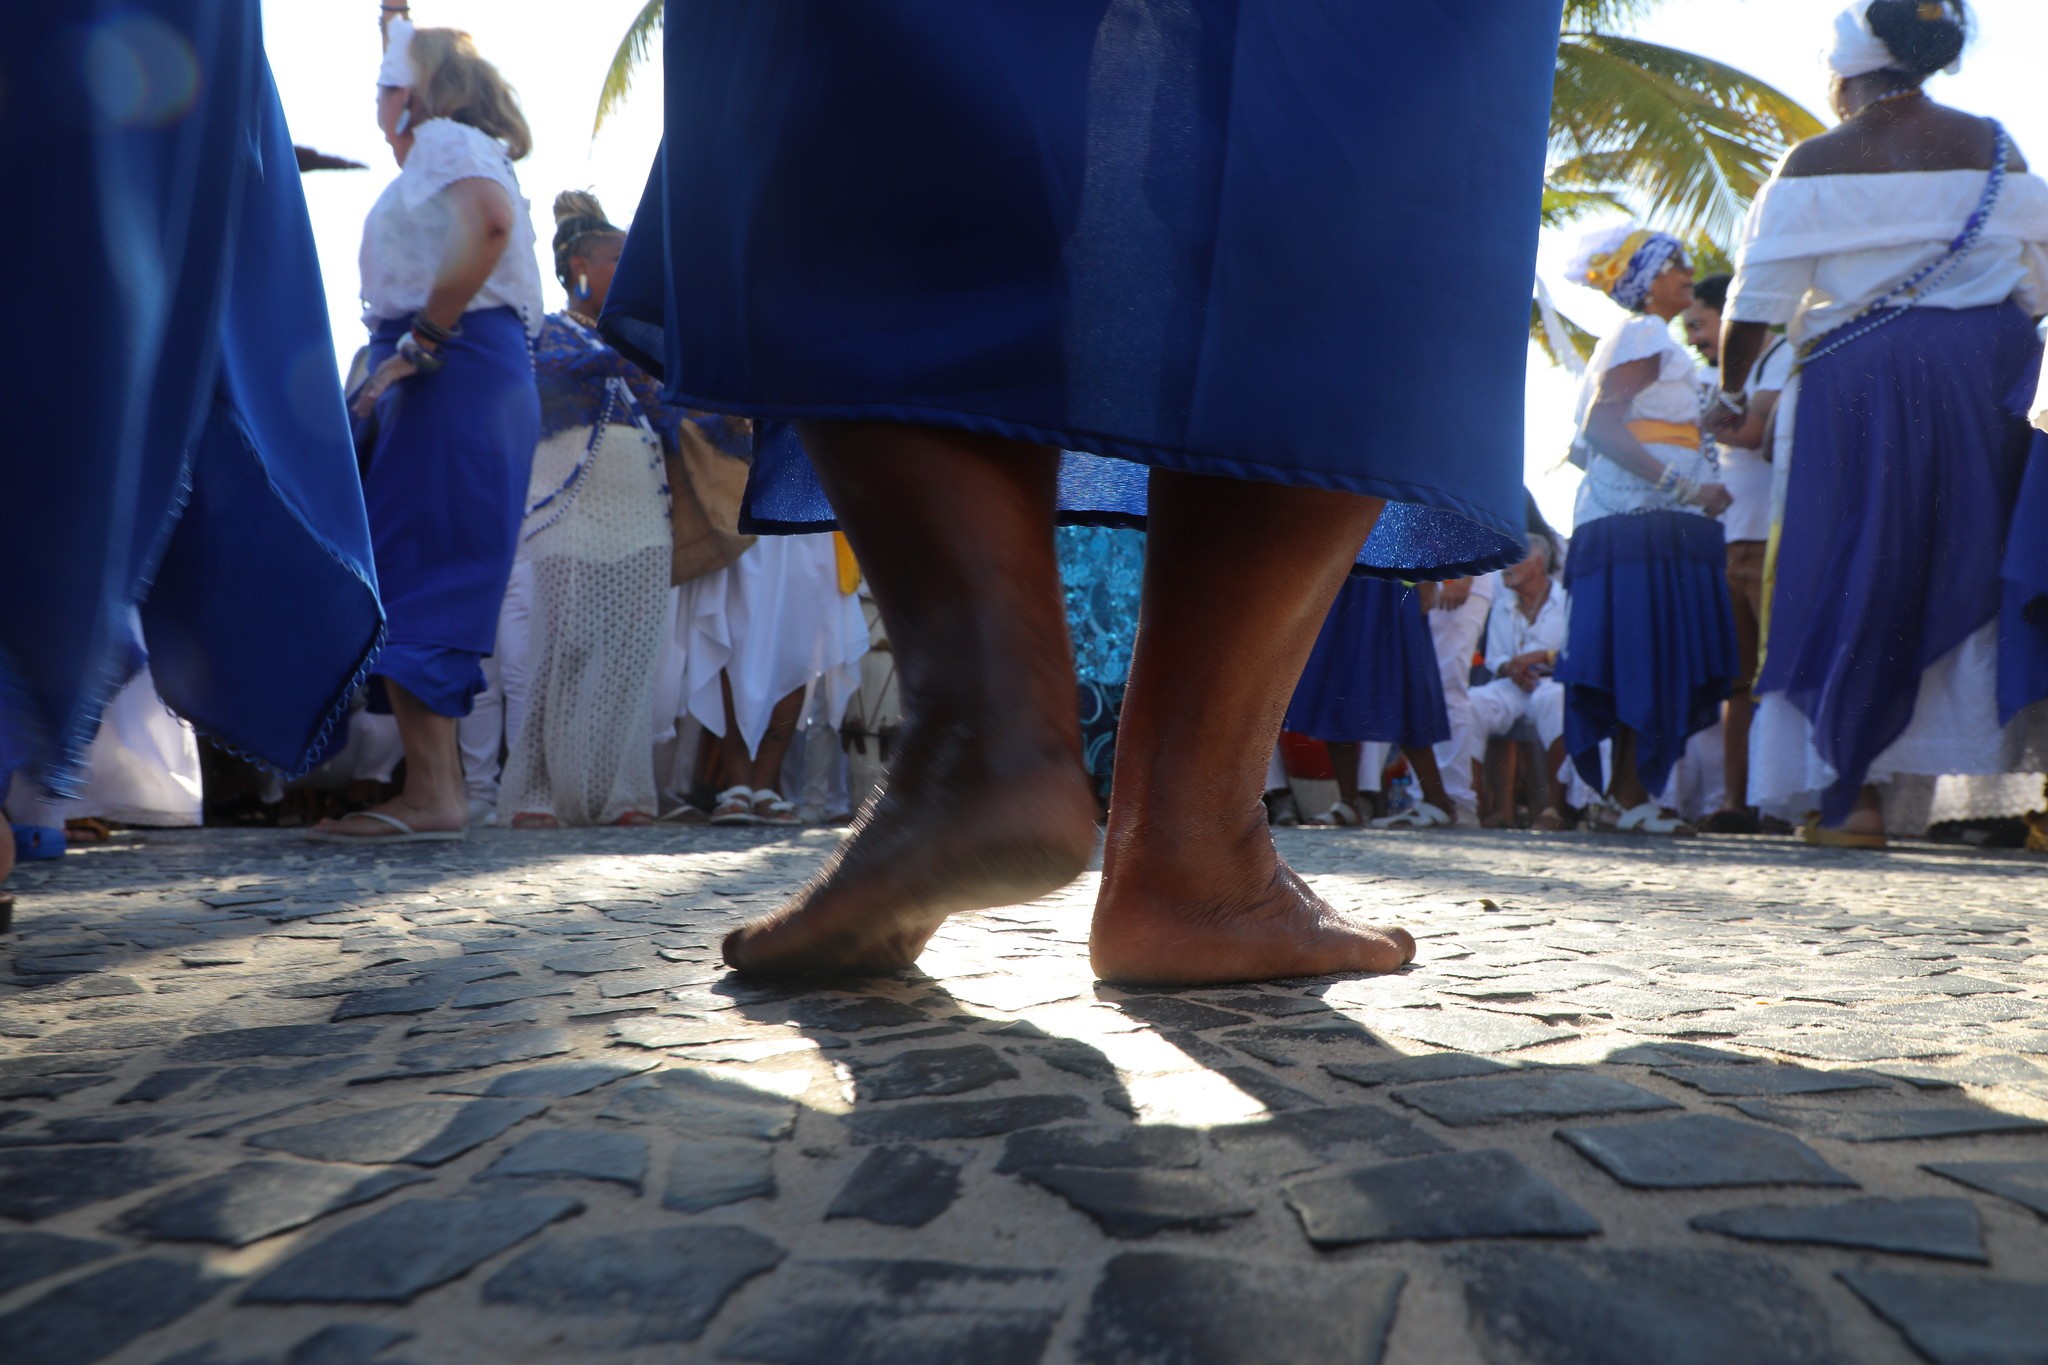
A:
[1258,239]
[1652,642]
[1373,674]
[1907,465]
[445,482]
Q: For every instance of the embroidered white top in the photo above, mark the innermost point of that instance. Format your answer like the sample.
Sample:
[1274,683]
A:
[408,227]
[1819,249]
[1608,489]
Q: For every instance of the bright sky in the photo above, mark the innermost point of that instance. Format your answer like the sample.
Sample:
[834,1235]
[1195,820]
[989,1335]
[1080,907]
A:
[325,54]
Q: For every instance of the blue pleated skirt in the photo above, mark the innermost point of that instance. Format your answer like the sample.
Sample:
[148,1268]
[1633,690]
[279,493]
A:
[445,480]
[1373,674]
[1907,465]
[175,433]
[2023,613]
[1230,237]
[1652,642]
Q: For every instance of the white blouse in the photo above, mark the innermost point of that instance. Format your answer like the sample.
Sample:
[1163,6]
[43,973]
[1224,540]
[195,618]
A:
[1608,489]
[1820,249]
[407,229]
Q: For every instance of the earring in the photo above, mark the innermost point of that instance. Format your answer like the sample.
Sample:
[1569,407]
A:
[583,286]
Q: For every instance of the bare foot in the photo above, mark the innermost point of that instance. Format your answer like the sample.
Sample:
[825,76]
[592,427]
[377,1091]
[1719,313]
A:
[923,850]
[1244,916]
[421,819]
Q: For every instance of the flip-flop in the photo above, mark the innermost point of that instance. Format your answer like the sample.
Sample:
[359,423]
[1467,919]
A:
[1819,836]
[1422,816]
[735,807]
[405,834]
[1649,818]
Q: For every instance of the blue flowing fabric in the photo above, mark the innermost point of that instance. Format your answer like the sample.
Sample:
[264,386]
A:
[1373,674]
[1278,240]
[1102,569]
[1907,466]
[445,481]
[2023,613]
[176,436]
[1652,642]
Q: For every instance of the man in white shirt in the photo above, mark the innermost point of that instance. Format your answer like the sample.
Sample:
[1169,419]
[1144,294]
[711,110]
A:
[1528,629]
[1456,623]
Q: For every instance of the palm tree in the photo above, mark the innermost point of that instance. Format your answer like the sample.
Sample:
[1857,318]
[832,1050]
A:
[633,50]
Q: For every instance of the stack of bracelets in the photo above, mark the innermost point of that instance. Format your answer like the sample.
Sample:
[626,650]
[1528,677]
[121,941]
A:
[1676,485]
[421,346]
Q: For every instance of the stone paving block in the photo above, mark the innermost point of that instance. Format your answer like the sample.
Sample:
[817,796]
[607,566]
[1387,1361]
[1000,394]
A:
[416,999]
[1164,1308]
[703,1104]
[1538,1306]
[26,1257]
[1435,1066]
[258,1199]
[474,1054]
[1958,1319]
[1531,1094]
[902,1187]
[681,1030]
[665,1285]
[597,961]
[1467,1030]
[1752,1081]
[423,1133]
[2023,1182]
[1699,1152]
[1678,1055]
[95,1128]
[91,1318]
[1947,1229]
[927,1072]
[574,1154]
[709,1173]
[161,1085]
[870,1312]
[952,1119]
[474,1022]
[280,1040]
[1075,1058]
[1137,1201]
[851,1014]
[346,1343]
[1850,1044]
[1167,1011]
[106,1037]
[553,1081]
[405,1249]
[1435,1198]
[1157,1146]
[506,991]
[42,1182]
[256,1080]
[1892,1125]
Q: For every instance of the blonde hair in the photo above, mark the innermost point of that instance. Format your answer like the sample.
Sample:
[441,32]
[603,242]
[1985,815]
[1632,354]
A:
[453,81]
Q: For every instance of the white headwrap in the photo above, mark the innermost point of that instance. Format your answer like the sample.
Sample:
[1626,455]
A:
[1857,50]
[397,71]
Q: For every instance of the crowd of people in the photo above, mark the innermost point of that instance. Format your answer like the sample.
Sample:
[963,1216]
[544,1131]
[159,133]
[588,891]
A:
[622,569]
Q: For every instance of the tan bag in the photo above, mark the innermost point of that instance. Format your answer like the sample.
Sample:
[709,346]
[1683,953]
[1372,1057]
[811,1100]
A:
[705,486]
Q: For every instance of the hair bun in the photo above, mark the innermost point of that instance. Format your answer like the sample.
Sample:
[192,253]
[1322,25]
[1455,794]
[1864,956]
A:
[577,204]
[1924,35]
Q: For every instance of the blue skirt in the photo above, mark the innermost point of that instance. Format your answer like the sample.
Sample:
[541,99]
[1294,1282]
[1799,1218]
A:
[1226,237]
[1652,642]
[1373,674]
[2023,615]
[175,431]
[1907,464]
[445,480]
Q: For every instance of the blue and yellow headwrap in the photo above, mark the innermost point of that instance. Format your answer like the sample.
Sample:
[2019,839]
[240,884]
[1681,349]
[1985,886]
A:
[1626,264]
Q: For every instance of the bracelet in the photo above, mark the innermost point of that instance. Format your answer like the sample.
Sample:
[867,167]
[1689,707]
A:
[1669,480]
[1736,405]
[429,330]
[418,356]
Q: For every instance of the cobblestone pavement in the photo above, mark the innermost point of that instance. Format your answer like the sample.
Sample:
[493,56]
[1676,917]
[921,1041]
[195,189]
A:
[1729,1101]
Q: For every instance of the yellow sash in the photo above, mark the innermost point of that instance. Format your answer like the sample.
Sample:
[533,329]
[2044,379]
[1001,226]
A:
[1652,433]
[849,568]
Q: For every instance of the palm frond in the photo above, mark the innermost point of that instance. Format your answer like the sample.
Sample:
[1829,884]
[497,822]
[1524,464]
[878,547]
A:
[1556,332]
[633,50]
[1604,15]
[1563,205]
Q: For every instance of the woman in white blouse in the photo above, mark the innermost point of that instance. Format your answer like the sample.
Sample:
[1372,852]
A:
[449,417]
[1651,650]
[1907,253]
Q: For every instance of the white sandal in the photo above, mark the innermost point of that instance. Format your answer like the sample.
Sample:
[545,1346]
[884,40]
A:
[1343,814]
[1423,816]
[735,806]
[1649,818]
[771,809]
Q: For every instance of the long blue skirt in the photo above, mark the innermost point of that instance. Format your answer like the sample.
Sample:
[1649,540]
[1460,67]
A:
[2023,614]
[1652,642]
[1907,464]
[175,431]
[1217,236]
[1373,674]
[445,482]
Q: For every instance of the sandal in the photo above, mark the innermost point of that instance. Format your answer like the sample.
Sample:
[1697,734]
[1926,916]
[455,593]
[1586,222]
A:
[685,814]
[735,806]
[1422,816]
[633,819]
[400,832]
[1650,818]
[1820,836]
[535,819]
[1549,821]
[771,809]
[87,829]
[1343,814]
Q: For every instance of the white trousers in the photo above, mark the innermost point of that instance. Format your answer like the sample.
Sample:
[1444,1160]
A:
[1501,705]
[495,717]
[1456,634]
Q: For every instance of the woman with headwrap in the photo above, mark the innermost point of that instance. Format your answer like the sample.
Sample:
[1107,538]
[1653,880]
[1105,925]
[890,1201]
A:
[1651,650]
[1907,253]
[596,542]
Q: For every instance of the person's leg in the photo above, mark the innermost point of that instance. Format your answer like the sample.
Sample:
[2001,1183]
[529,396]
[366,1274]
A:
[1496,707]
[432,799]
[1745,590]
[1192,890]
[735,764]
[1546,708]
[1429,778]
[1344,762]
[766,774]
[986,802]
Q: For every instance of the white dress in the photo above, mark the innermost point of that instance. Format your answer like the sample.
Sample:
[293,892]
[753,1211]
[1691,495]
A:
[1608,489]
[1816,252]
